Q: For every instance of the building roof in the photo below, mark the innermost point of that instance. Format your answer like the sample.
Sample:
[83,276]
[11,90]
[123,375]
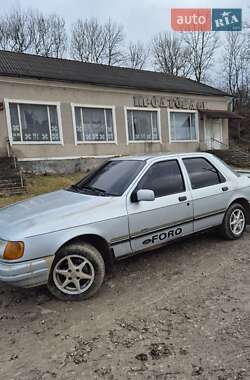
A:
[32,66]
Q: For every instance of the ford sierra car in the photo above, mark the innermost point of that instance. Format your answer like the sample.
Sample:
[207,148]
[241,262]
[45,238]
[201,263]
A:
[68,239]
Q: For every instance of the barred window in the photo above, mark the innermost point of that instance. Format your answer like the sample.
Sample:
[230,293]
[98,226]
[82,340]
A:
[34,123]
[94,124]
[183,126]
[143,125]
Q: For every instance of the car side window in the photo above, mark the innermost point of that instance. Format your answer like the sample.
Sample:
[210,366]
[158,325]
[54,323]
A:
[202,173]
[164,178]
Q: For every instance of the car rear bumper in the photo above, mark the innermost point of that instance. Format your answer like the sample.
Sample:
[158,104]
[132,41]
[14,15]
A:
[26,274]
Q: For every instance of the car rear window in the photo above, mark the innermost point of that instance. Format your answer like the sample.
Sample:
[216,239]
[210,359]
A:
[202,173]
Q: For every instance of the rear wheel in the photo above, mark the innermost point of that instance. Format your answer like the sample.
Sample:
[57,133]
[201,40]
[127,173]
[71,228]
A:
[234,222]
[77,272]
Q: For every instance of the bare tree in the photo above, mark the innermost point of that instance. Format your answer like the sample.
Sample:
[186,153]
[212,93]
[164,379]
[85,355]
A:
[247,39]
[60,38]
[50,37]
[114,37]
[4,34]
[16,31]
[94,42]
[170,54]
[202,47]
[137,55]
[32,32]
[88,41]
[236,65]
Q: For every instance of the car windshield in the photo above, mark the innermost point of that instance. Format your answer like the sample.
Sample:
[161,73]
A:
[111,179]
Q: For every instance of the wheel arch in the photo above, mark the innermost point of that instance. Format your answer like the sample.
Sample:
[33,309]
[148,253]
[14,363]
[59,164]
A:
[98,242]
[244,203]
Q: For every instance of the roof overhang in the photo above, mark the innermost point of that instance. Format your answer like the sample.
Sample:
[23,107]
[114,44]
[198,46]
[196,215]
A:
[221,114]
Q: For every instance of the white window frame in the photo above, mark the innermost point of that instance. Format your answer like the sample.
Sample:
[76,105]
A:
[42,103]
[196,126]
[112,108]
[158,110]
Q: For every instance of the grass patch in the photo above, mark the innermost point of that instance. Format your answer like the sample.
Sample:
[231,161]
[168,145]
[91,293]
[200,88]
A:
[36,185]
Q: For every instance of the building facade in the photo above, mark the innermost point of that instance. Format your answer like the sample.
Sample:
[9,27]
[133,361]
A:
[58,122]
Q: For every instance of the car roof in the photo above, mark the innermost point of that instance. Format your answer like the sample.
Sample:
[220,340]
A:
[155,156]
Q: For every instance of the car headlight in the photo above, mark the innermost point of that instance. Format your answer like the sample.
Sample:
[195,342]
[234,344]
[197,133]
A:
[11,250]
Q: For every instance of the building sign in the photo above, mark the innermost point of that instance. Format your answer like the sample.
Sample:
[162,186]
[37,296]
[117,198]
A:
[191,19]
[206,19]
[169,102]
[225,20]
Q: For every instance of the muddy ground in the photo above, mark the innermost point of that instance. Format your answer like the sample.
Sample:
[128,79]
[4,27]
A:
[182,312]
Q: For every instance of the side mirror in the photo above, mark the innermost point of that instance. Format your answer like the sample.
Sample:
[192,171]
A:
[145,195]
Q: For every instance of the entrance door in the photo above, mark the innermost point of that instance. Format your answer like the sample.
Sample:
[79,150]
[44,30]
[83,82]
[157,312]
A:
[213,134]
[169,216]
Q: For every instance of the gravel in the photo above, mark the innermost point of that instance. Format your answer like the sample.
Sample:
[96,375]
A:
[181,312]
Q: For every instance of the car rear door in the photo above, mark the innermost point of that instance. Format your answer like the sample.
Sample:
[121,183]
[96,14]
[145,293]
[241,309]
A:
[211,192]
[169,216]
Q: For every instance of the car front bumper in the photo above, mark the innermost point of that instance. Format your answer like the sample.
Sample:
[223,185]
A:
[26,274]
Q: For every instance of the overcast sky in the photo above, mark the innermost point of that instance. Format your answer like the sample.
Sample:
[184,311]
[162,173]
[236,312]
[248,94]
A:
[141,18]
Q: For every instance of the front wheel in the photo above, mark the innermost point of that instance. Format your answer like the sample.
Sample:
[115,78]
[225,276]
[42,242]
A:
[234,222]
[77,272]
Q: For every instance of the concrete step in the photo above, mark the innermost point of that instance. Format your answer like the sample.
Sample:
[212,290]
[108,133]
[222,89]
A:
[6,162]
[10,178]
[12,186]
[9,175]
[12,191]
[7,185]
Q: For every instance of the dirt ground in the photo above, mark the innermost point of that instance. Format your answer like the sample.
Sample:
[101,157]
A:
[182,312]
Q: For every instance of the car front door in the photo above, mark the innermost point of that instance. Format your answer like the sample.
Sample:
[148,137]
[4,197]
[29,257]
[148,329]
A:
[211,192]
[169,216]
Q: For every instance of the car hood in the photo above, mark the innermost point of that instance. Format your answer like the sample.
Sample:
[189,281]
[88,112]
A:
[52,212]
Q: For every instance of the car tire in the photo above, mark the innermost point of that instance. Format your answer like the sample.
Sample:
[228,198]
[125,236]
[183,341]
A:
[77,272]
[229,229]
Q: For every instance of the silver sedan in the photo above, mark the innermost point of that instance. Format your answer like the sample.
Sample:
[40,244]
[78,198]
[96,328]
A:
[68,239]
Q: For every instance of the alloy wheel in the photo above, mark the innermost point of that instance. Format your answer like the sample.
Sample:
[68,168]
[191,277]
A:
[237,222]
[73,274]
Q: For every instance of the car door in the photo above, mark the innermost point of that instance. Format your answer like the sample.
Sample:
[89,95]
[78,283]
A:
[211,192]
[169,216]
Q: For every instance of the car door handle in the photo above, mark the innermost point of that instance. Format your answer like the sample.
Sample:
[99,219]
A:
[225,188]
[182,199]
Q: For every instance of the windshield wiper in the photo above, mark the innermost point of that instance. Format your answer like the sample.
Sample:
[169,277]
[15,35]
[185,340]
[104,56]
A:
[75,188]
[95,190]
[92,189]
